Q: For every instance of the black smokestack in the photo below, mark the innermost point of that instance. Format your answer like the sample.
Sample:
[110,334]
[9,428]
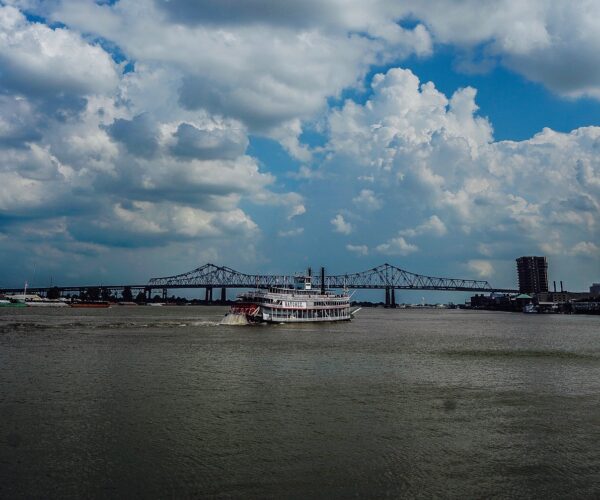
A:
[554,286]
[310,271]
[561,287]
[322,280]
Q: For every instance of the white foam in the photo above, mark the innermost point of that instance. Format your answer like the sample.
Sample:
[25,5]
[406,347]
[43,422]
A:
[233,319]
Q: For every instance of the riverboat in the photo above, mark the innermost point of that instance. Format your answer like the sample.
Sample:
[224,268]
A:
[298,303]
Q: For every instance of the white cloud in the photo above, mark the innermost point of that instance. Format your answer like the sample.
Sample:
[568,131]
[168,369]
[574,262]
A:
[397,246]
[290,233]
[483,268]
[553,42]
[78,137]
[401,118]
[40,61]
[158,154]
[292,202]
[305,173]
[340,225]
[427,153]
[360,250]
[268,78]
[367,200]
[586,248]
[148,224]
[433,226]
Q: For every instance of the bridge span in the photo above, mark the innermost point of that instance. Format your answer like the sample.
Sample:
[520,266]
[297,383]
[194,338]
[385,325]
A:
[209,276]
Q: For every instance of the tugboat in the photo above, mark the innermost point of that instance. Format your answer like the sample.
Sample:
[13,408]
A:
[299,303]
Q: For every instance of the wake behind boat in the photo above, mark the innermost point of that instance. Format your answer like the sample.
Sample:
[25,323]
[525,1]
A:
[299,303]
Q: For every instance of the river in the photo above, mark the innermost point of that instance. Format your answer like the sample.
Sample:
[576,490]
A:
[165,402]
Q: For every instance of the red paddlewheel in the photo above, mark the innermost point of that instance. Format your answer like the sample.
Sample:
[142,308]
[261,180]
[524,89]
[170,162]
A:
[248,309]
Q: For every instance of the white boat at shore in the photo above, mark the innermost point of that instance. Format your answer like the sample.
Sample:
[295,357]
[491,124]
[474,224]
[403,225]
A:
[34,300]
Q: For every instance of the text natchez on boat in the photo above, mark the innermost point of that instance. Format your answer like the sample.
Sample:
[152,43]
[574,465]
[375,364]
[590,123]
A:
[299,303]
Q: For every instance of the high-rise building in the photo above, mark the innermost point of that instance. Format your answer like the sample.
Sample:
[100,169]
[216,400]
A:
[533,274]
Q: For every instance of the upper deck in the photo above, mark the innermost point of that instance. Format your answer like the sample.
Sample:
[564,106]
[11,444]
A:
[301,290]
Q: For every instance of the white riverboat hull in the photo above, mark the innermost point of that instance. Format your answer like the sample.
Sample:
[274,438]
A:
[269,317]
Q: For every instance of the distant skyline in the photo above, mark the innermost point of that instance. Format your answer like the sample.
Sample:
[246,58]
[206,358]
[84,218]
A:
[145,138]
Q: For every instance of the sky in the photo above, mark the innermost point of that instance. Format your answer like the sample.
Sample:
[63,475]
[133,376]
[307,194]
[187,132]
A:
[146,138]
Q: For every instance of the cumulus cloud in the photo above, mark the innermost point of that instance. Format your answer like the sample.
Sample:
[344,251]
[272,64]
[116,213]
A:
[37,186]
[360,250]
[396,246]
[404,113]
[367,200]
[139,135]
[428,153]
[432,226]
[18,123]
[483,268]
[39,61]
[144,224]
[192,142]
[112,154]
[292,202]
[340,225]
[268,66]
[546,41]
[156,149]
[552,42]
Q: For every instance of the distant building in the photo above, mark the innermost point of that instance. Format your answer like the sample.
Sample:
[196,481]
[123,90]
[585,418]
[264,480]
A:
[561,297]
[533,274]
[595,289]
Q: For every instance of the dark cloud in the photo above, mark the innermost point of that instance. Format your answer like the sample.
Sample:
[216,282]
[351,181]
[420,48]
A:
[117,237]
[139,135]
[564,69]
[24,119]
[293,13]
[208,144]
[18,137]
[259,111]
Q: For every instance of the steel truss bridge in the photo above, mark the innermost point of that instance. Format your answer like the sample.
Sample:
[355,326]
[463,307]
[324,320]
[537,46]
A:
[380,277]
[209,276]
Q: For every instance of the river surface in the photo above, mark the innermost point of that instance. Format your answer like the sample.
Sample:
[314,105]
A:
[133,402]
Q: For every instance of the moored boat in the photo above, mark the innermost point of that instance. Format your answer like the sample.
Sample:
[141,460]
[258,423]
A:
[11,303]
[34,300]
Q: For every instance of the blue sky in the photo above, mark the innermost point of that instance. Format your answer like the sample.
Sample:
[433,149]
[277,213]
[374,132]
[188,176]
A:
[146,138]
